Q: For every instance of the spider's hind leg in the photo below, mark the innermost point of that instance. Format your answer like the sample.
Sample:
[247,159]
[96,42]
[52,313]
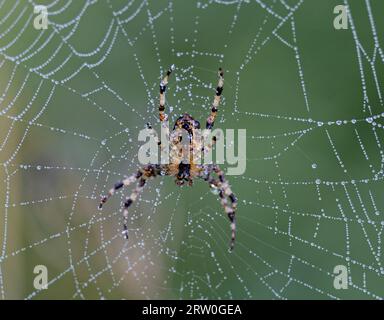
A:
[149,171]
[129,201]
[227,198]
[120,184]
[141,176]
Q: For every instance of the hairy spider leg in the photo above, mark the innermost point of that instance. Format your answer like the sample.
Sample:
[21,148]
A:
[163,87]
[162,115]
[225,194]
[149,171]
[118,185]
[214,110]
[141,176]
[216,101]
[208,147]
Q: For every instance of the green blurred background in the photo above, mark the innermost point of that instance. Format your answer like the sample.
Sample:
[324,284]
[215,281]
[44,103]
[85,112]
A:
[75,96]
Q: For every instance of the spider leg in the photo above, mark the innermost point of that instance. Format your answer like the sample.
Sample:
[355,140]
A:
[207,147]
[120,184]
[162,115]
[141,176]
[216,101]
[129,201]
[227,198]
[163,87]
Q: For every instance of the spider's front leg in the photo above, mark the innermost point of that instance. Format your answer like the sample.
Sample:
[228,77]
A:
[142,175]
[163,87]
[216,101]
[227,198]
[214,110]
[162,115]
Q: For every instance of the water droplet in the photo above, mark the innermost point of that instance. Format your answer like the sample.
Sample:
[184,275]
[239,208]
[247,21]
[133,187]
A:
[214,190]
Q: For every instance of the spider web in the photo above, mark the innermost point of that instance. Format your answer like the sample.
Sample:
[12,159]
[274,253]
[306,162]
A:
[74,97]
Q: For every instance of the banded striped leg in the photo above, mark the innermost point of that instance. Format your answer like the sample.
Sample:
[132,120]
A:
[142,176]
[128,202]
[153,133]
[118,185]
[163,87]
[216,101]
[162,115]
[227,198]
[207,146]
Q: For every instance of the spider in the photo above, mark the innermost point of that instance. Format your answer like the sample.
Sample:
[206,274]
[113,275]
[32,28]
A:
[183,171]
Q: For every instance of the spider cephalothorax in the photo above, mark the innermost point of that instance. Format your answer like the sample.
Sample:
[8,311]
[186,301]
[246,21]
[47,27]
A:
[184,169]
